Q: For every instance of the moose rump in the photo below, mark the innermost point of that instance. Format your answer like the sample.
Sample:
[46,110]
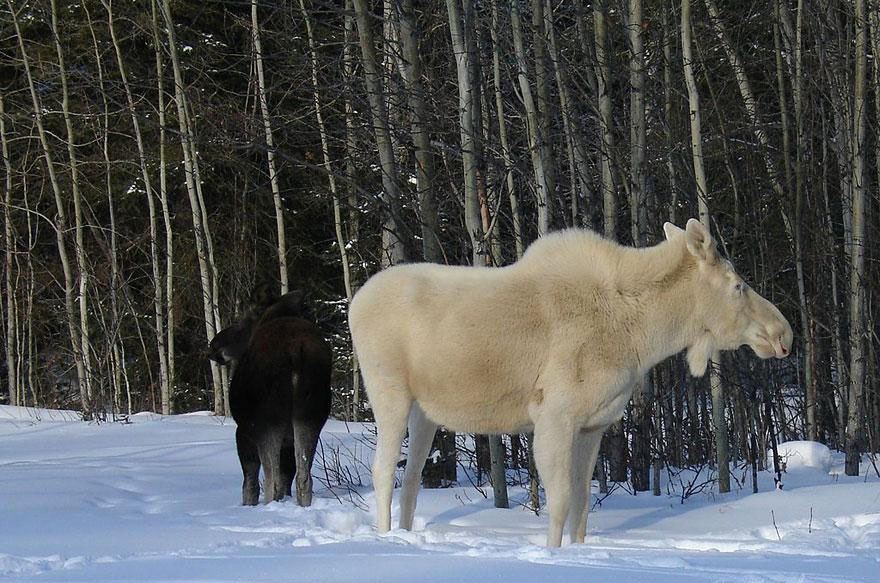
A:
[553,343]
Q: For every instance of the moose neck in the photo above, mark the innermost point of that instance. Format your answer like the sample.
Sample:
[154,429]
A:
[670,315]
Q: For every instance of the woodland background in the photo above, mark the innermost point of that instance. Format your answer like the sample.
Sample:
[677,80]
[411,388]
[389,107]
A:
[166,163]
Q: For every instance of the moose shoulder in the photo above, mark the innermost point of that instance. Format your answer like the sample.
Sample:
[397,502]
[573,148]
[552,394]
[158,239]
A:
[552,343]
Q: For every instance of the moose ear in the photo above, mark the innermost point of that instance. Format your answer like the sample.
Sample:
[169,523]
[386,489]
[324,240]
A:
[699,242]
[294,298]
[672,231]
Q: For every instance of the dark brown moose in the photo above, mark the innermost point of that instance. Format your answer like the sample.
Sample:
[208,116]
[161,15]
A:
[279,395]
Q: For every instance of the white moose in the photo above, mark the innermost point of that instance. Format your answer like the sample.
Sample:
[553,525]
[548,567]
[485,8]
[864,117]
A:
[552,344]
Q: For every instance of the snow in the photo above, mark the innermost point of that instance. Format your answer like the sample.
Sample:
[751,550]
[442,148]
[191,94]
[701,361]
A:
[797,455]
[156,500]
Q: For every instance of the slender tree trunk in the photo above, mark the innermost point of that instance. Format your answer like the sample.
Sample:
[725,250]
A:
[874,22]
[341,241]
[857,255]
[642,396]
[467,105]
[718,399]
[506,156]
[638,123]
[158,302]
[270,151]
[443,470]
[85,381]
[669,109]
[13,379]
[348,59]
[577,155]
[412,74]
[114,363]
[536,140]
[213,274]
[542,91]
[60,222]
[603,89]
[197,214]
[166,214]
[393,248]
[461,26]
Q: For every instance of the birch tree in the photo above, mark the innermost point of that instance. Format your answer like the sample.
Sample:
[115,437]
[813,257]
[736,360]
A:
[60,224]
[163,200]
[270,150]
[578,168]
[544,105]
[158,302]
[341,242]
[411,70]
[13,379]
[638,213]
[506,156]
[393,249]
[198,216]
[533,125]
[461,22]
[857,254]
[718,399]
[603,90]
[82,265]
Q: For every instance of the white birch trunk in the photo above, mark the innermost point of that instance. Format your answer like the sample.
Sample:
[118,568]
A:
[411,71]
[577,155]
[158,302]
[166,213]
[60,222]
[195,207]
[85,380]
[270,151]
[542,93]
[603,89]
[393,250]
[533,124]
[13,380]
[718,400]
[341,242]
[857,255]
[114,362]
[506,156]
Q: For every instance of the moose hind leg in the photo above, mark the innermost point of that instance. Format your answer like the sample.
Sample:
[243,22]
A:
[250,467]
[305,437]
[421,434]
[391,409]
[269,447]
[287,463]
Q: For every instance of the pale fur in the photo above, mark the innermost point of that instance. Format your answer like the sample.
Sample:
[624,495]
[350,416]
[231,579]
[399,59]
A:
[552,343]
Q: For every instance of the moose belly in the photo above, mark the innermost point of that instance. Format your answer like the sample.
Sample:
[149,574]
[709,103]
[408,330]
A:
[461,410]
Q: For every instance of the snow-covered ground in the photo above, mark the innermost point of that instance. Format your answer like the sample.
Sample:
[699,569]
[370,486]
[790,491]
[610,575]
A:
[157,500]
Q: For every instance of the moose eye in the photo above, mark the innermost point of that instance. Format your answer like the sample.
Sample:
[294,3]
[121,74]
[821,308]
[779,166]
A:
[740,287]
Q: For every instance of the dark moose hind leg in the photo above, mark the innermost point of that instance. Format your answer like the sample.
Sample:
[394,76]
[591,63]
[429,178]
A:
[287,463]
[250,467]
[269,446]
[306,440]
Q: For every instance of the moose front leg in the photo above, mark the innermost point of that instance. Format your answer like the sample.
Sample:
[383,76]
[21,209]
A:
[553,456]
[586,450]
